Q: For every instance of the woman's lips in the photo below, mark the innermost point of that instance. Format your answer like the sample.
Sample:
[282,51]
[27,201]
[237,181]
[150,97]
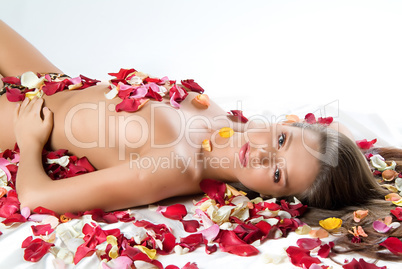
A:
[244,154]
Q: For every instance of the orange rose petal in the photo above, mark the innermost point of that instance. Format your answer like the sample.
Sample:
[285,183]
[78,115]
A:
[361,232]
[389,175]
[320,233]
[392,197]
[3,192]
[387,220]
[206,145]
[358,215]
[292,119]
[202,99]
[64,218]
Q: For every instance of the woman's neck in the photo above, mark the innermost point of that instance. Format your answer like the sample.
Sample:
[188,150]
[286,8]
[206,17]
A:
[222,162]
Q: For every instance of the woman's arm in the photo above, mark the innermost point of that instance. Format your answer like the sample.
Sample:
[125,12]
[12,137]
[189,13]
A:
[114,188]
[18,56]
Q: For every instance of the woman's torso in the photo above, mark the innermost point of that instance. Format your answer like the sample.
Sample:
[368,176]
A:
[86,124]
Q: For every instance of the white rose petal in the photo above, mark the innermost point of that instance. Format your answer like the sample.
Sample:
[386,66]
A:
[31,80]
[112,93]
[398,183]
[63,161]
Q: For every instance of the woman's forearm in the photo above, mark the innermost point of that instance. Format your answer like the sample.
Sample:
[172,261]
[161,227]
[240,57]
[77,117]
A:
[31,177]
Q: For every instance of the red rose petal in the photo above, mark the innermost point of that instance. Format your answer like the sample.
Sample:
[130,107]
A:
[43,229]
[42,210]
[214,189]
[123,73]
[239,115]
[230,242]
[364,144]
[192,241]
[87,82]
[26,242]
[11,80]
[393,244]
[361,264]
[179,93]
[324,250]
[325,121]
[308,243]
[310,118]
[190,265]
[14,95]
[301,257]
[397,212]
[36,250]
[192,85]
[175,212]
[82,252]
[190,226]
[131,105]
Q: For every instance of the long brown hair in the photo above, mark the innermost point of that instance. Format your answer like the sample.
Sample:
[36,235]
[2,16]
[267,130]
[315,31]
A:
[346,183]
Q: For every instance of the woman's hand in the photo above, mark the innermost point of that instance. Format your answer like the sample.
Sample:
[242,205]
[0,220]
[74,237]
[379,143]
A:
[32,124]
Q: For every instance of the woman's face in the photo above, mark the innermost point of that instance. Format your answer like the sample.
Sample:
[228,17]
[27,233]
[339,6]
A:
[278,160]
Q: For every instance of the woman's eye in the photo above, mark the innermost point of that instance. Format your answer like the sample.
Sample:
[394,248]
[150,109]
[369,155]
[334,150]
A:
[281,140]
[277,175]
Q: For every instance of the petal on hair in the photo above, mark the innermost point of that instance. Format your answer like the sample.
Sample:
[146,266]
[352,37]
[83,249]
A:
[364,144]
[358,215]
[397,212]
[331,223]
[380,226]
[392,197]
[389,175]
[393,244]
[310,118]
[398,203]
[361,264]
[292,118]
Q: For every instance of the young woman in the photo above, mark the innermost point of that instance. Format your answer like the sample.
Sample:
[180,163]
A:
[156,152]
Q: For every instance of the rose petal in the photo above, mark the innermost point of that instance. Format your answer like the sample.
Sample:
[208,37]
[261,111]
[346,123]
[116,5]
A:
[358,215]
[238,114]
[325,249]
[397,212]
[36,250]
[331,223]
[364,144]
[44,229]
[192,85]
[206,145]
[393,244]
[226,132]
[380,226]
[202,99]
[175,212]
[361,264]
[308,243]
[310,118]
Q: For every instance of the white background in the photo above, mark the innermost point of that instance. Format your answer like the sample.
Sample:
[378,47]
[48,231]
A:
[277,57]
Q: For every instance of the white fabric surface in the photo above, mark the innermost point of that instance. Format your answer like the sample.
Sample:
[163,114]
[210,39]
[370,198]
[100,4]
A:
[334,58]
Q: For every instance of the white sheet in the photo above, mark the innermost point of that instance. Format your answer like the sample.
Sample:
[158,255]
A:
[277,57]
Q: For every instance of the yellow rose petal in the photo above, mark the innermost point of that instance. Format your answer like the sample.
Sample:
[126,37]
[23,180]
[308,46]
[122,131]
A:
[151,253]
[226,132]
[114,252]
[398,203]
[331,223]
[111,239]
[206,145]
[31,95]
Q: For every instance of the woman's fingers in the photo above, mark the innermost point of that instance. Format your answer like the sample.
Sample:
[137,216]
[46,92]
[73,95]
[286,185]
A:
[47,116]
